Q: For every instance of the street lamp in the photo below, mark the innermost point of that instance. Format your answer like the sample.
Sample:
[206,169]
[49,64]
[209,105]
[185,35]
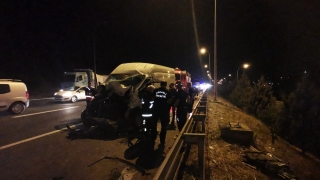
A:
[215,52]
[94,52]
[245,66]
[203,51]
[205,66]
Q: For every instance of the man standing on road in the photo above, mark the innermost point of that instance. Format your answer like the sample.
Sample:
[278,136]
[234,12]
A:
[181,99]
[161,110]
[146,96]
[191,92]
[90,93]
[173,92]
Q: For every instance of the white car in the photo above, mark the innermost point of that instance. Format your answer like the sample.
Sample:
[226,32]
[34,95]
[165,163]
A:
[14,96]
[72,94]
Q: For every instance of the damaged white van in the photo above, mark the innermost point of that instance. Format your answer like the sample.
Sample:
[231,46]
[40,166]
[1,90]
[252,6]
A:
[117,105]
[146,71]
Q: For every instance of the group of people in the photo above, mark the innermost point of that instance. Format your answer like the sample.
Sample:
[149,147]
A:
[157,102]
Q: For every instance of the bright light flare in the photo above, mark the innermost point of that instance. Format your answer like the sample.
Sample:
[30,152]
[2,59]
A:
[203,50]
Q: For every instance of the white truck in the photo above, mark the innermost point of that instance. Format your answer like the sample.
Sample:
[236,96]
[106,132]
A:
[81,77]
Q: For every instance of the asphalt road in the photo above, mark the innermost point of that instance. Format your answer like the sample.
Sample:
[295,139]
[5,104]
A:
[36,145]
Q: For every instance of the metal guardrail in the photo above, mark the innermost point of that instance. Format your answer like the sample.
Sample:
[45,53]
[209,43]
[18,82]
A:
[168,170]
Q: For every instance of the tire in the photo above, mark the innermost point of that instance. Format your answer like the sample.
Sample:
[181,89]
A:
[74,99]
[17,108]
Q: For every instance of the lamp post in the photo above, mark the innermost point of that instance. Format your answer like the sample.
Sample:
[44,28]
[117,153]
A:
[245,66]
[94,52]
[203,51]
[215,51]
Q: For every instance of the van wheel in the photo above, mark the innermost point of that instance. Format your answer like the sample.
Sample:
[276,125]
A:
[17,108]
[74,99]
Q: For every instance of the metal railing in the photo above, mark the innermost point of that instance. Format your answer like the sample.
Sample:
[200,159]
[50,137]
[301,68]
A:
[168,170]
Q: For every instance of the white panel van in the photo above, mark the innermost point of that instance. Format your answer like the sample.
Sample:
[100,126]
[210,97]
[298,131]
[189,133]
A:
[14,96]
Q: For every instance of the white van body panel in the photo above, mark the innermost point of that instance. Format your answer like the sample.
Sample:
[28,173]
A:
[17,93]
[156,72]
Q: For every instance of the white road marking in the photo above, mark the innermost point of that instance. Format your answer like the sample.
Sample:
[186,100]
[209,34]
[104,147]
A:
[40,99]
[45,112]
[33,138]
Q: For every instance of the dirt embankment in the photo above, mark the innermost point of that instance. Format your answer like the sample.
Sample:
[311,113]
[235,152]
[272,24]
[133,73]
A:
[225,160]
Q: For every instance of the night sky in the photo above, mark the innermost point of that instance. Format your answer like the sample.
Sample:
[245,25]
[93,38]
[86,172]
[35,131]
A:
[39,39]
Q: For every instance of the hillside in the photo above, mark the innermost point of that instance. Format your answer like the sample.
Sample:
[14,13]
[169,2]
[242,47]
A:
[225,160]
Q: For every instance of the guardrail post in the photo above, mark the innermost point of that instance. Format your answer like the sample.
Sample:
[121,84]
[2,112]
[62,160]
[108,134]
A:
[202,118]
[197,138]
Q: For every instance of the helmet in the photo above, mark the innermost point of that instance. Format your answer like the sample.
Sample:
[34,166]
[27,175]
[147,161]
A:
[178,84]
[150,88]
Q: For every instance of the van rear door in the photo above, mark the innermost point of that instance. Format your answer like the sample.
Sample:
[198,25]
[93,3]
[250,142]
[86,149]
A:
[4,90]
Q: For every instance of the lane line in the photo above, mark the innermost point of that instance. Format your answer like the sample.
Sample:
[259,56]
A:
[33,138]
[44,112]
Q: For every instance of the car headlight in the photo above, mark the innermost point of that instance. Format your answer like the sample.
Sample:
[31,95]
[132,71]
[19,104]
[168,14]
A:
[55,94]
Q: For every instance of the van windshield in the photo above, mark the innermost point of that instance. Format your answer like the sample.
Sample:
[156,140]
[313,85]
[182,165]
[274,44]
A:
[117,77]
[126,79]
[74,88]
[69,78]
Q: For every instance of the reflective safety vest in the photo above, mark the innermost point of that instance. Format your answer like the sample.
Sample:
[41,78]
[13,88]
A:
[89,94]
[147,108]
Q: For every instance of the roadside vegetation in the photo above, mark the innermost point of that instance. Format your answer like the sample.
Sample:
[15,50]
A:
[296,119]
[287,129]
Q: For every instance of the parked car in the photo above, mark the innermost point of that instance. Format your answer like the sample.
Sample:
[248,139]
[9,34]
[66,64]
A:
[14,96]
[71,94]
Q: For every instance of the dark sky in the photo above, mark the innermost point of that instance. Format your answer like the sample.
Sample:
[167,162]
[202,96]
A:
[40,39]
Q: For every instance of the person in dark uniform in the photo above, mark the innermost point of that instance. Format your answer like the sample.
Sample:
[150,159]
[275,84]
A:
[161,110]
[192,93]
[181,99]
[173,92]
[90,93]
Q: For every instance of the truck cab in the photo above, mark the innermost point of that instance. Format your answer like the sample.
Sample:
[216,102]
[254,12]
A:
[72,79]
[81,77]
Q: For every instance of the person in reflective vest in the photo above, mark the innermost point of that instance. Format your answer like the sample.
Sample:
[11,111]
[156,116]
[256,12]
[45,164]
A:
[162,100]
[147,106]
[181,100]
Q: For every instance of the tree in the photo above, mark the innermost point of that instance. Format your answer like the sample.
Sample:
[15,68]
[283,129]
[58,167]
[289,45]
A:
[263,104]
[302,114]
[241,94]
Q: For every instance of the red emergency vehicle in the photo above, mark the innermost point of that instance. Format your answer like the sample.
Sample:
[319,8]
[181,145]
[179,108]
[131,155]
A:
[182,76]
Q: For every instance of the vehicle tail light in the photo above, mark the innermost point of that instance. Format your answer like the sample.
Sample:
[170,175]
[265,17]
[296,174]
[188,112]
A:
[27,94]
[89,98]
